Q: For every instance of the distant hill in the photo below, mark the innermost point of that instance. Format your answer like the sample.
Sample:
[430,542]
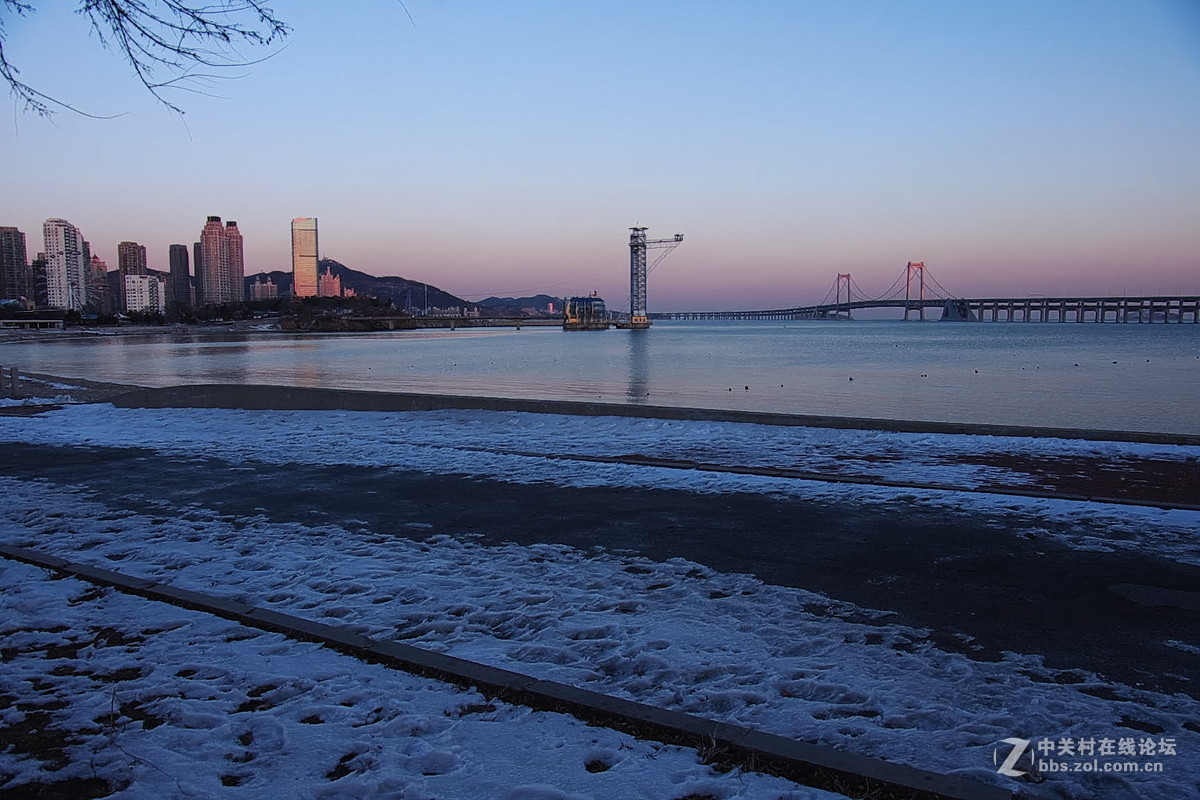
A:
[282,281]
[519,306]
[401,292]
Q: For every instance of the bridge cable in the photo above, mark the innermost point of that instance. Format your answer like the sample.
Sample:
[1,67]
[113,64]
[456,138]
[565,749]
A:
[829,294]
[946,294]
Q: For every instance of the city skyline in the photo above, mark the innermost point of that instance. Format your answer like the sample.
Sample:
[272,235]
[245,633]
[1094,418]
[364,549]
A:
[1016,148]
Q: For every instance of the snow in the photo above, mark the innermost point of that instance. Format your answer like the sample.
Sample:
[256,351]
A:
[9,402]
[173,703]
[526,448]
[671,633]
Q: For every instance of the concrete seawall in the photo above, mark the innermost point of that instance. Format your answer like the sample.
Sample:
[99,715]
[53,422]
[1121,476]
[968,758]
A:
[290,398]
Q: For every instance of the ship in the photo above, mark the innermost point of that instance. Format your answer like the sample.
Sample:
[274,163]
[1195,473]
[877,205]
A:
[586,314]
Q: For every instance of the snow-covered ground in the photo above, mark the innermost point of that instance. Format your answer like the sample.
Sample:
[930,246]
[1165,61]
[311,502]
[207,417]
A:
[671,633]
[171,703]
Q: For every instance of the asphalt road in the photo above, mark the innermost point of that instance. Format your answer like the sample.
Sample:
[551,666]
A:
[998,582]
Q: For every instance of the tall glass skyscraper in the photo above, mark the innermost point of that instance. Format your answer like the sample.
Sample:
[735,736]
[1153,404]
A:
[304,257]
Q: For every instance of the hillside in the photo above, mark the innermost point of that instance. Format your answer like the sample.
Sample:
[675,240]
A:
[401,292]
[520,306]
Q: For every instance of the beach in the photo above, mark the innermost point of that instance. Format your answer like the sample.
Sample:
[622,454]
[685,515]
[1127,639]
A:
[916,625]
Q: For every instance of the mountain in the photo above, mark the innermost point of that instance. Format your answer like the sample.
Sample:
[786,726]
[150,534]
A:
[519,306]
[282,281]
[401,292]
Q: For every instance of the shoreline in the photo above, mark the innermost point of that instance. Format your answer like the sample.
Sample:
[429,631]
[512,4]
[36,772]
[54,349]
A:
[1134,390]
[1098,473]
[269,397]
[291,398]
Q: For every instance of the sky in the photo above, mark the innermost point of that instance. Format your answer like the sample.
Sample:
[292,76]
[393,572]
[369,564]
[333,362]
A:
[1018,147]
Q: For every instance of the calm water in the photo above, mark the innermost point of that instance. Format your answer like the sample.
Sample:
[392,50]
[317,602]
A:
[1133,377]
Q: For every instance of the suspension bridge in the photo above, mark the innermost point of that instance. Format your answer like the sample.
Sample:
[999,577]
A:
[917,292]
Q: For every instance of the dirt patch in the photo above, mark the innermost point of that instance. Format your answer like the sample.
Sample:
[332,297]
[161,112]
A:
[30,410]
[70,789]
[39,387]
[1145,480]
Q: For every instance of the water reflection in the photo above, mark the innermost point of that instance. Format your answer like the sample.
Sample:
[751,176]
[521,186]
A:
[178,359]
[639,366]
[1134,377]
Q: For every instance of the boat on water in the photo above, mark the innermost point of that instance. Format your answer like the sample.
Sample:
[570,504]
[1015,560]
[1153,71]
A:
[586,314]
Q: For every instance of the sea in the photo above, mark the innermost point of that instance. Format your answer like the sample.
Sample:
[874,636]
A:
[1136,377]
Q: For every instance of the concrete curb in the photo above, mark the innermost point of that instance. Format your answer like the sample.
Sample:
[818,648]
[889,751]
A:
[722,743]
[291,398]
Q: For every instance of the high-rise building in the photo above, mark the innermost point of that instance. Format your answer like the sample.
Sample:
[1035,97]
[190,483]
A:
[198,274]
[99,296]
[214,262]
[221,267]
[66,270]
[237,262]
[16,278]
[147,293]
[37,268]
[85,255]
[304,257]
[179,285]
[131,258]
[220,263]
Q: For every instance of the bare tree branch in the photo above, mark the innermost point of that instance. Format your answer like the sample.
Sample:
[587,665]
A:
[167,42]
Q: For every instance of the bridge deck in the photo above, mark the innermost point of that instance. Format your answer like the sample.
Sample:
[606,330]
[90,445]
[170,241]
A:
[1157,308]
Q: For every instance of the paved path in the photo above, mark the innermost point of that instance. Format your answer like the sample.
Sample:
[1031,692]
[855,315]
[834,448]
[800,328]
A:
[999,580]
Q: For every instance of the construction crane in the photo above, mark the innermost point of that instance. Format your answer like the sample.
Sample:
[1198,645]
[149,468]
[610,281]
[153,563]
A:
[638,245]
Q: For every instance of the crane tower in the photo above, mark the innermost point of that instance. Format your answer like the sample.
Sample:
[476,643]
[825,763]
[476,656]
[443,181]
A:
[638,245]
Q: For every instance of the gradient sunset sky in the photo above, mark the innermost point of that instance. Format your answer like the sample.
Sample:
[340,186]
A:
[1015,146]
